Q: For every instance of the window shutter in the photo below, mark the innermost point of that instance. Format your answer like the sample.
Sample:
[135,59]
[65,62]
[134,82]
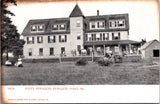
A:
[54,38]
[59,38]
[38,39]
[48,39]
[27,40]
[32,39]
[41,39]
[112,36]
[103,36]
[65,38]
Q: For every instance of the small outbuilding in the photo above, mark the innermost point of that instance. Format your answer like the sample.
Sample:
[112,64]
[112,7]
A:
[151,50]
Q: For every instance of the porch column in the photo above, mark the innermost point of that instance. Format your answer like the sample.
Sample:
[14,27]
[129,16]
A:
[129,48]
[104,50]
[119,49]
[93,50]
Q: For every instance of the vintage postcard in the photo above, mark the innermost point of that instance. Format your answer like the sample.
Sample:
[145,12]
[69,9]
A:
[81,51]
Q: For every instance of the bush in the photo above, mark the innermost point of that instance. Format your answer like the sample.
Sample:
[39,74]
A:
[81,61]
[104,61]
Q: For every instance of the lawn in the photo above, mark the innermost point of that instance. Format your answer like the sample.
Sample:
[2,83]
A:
[67,73]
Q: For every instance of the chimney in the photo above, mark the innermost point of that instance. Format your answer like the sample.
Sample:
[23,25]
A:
[97,12]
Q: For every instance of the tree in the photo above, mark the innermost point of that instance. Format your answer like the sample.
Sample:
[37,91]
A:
[10,38]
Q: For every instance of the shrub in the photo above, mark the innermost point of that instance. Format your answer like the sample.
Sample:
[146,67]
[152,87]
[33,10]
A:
[103,61]
[81,61]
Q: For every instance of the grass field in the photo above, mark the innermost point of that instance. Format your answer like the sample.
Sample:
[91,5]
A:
[91,74]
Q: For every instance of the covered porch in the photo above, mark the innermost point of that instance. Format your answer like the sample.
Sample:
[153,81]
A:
[120,47]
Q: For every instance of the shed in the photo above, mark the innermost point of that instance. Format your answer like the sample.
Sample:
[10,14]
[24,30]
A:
[151,50]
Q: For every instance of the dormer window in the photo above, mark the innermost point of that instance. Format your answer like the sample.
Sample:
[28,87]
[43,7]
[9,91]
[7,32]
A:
[33,28]
[120,23]
[37,28]
[54,27]
[93,25]
[100,24]
[117,23]
[41,28]
[62,27]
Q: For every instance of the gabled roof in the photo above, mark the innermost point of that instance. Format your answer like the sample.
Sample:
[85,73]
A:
[48,24]
[76,12]
[147,44]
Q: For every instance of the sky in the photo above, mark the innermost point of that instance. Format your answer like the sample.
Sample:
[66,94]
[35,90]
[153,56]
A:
[143,14]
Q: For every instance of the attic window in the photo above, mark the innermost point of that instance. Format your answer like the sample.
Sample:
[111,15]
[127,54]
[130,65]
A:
[54,27]
[120,23]
[33,28]
[62,27]
[41,28]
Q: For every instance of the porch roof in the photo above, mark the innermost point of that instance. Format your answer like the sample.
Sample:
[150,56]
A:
[113,42]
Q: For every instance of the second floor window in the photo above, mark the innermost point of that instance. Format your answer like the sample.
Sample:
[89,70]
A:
[51,39]
[30,40]
[62,38]
[39,39]
[115,36]
[105,36]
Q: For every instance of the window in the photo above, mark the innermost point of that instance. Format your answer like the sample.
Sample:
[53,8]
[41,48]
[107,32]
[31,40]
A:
[89,37]
[105,36]
[40,51]
[78,48]
[116,36]
[78,36]
[117,23]
[30,40]
[41,28]
[30,51]
[62,38]
[93,25]
[62,27]
[33,28]
[52,51]
[121,23]
[37,28]
[54,27]
[100,24]
[156,53]
[51,39]
[78,23]
[39,39]
[97,36]
[111,24]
